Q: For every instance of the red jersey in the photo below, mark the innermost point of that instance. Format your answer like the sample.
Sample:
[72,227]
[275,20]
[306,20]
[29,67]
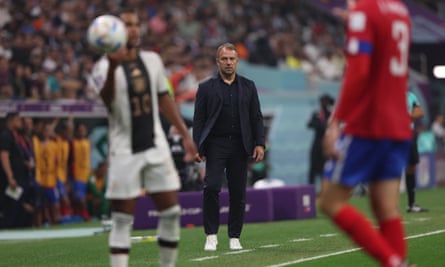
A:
[372,102]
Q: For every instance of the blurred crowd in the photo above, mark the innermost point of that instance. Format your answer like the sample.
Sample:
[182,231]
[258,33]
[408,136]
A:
[44,55]
[46,175]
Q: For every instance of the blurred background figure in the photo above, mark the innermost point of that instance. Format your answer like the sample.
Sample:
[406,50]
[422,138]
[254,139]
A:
[46,153]
[16,208]
[63,139]
[80,170]
[439,130]
[318,123]
[98,205]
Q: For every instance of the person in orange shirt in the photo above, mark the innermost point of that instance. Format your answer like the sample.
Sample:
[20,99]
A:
[46,151]
[63,138]
[80,170]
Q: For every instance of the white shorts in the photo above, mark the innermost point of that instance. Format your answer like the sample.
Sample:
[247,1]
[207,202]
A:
[128,174]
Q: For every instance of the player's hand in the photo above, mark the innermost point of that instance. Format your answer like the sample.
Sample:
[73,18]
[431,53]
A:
[199,157]
[330,139]
[258,153]
[190,149]
[117,57]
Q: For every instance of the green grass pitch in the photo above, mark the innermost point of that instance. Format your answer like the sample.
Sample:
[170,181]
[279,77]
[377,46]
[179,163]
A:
[313,242]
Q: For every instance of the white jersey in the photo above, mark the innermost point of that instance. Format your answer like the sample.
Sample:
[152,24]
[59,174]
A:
[139,154]
[126,129]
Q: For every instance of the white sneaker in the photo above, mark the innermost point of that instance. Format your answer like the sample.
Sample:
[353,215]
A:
[235,244]
[211,242]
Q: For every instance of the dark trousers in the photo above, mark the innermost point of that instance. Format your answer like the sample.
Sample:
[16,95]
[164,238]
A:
[410,178]
[225,158]
[317,161]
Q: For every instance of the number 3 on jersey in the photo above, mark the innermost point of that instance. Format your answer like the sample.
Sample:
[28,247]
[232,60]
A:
[398,65]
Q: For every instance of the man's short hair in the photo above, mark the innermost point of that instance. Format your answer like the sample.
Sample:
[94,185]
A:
[228,46]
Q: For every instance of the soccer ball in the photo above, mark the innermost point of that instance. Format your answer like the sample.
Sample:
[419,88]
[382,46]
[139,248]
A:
[106,34]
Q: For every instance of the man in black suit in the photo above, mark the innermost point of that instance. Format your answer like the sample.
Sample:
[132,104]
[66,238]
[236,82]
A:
[228,129]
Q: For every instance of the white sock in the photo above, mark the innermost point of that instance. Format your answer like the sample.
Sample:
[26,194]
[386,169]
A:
[167,256]
[119,260]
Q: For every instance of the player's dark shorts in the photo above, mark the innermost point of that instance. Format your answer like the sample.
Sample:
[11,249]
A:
[413,153]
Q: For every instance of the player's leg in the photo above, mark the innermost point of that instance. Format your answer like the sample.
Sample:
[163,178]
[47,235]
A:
[123,187]
[384,199]
[54,202]
[359,159]
[333,202]
[410,173]
[65,205]
[119,241]
[384,195]
[168,226]
[161,181]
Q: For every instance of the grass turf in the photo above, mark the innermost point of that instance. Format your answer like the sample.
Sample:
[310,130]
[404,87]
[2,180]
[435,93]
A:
[284,243]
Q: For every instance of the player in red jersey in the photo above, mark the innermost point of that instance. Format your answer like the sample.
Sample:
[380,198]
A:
[368,136]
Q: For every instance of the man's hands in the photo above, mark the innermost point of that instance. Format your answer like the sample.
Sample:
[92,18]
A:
[199,157]
[258,153]
[190,149]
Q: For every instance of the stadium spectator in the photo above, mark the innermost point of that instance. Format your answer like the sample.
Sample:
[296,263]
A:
[369,143]
[80,169]
[21,81]
[186,82]
[228,129]
[98,205]
[49,37]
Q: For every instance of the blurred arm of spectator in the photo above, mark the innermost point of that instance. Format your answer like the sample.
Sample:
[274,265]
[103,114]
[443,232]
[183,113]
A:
[438,129]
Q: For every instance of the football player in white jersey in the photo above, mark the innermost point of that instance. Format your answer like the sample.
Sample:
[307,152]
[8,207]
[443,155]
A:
[132,85]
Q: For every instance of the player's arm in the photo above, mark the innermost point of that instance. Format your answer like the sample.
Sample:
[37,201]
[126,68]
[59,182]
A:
[359,46]
[108,91]
[355,76]
[6,165]
[171,113]
[417,112]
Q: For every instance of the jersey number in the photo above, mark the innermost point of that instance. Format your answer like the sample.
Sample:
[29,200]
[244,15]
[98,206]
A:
[398,64]
[141,105]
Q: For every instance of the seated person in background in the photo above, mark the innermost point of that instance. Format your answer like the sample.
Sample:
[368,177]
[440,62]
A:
[98,205]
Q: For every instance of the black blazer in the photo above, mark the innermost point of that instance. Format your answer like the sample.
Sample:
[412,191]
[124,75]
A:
[208,105]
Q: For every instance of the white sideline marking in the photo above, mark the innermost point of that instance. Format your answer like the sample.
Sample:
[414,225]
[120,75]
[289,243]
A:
[328,235]
[426,234]
[238,251]
[314,258]
[205,258]
[347,251]
[270,246]
[300,239]
[421,219]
